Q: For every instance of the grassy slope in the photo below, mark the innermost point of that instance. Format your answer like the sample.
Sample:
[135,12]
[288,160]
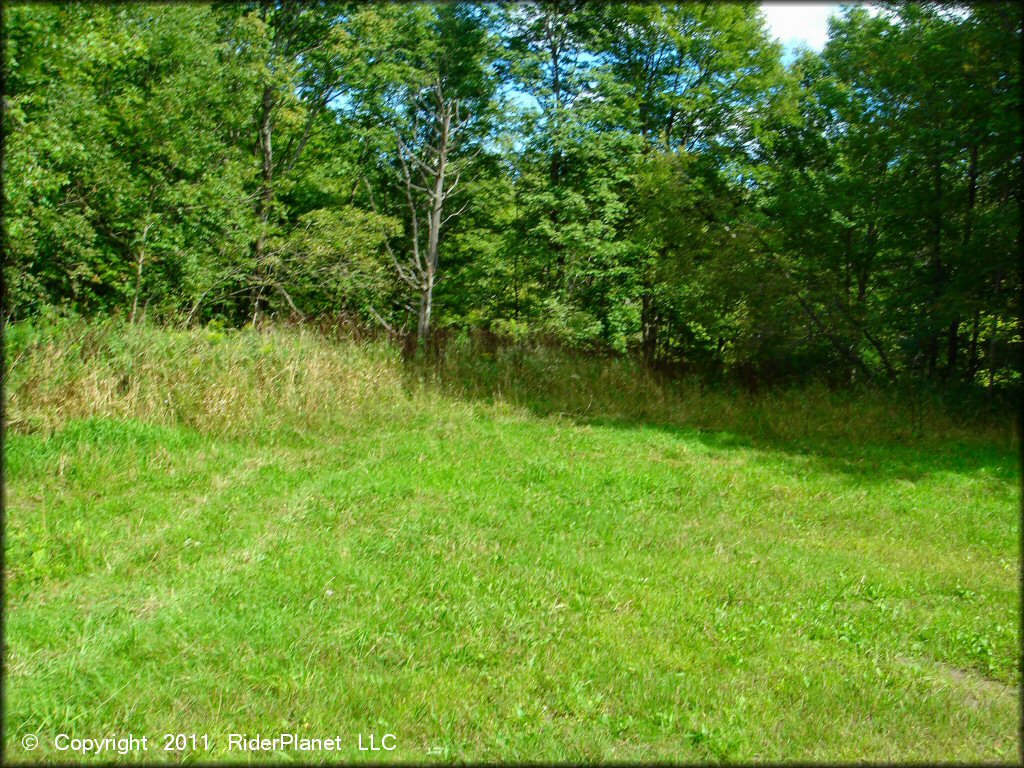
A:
[490,583]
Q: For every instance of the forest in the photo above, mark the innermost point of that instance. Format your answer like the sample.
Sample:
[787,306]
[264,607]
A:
[642,179]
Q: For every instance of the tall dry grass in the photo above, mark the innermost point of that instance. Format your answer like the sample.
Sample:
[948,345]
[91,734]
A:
[550,381]
[243,382]
[223,382]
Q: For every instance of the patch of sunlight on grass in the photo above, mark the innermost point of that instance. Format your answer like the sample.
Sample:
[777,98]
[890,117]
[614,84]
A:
[507,587]
[327,544]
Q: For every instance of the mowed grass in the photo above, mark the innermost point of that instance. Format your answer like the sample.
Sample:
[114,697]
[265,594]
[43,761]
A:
[485,579]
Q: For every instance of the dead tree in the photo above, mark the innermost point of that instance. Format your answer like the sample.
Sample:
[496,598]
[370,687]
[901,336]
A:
[429,176]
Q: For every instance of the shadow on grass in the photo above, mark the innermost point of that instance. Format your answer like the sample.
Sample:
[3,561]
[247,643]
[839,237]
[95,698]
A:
[868,437]
[862,463]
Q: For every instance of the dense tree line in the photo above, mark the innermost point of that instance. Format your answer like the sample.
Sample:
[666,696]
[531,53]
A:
[644,178]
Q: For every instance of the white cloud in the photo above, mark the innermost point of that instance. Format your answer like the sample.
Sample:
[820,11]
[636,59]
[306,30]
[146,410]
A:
[795,23]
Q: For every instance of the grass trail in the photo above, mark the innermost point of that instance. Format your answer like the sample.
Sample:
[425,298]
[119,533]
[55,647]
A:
[490,584]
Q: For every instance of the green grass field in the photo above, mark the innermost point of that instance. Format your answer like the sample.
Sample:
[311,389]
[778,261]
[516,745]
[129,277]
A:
[492,577]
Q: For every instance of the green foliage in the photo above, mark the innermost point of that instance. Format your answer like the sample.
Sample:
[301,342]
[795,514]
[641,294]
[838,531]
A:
[331,259]
[881,195]
[636,178]
[115,192]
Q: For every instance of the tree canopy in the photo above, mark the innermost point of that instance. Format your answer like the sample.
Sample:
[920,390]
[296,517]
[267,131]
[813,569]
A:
[624,178]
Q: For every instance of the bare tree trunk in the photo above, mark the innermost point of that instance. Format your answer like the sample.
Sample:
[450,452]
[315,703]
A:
[436,185]
[140,259]
[972,192]
[438,197]
[972,354]
[932,345]
[426,306]
[991,357]
[648,323]
[266,197]
[991,361]
[952,347]
[848,373]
